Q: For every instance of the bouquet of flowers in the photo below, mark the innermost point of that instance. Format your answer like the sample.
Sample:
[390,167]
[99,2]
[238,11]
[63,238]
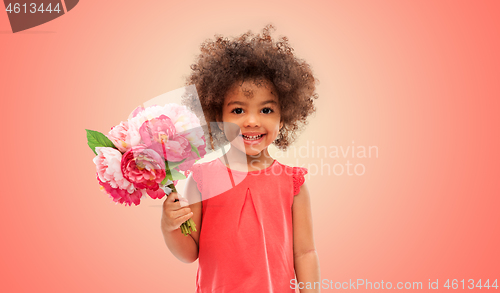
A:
[144,156]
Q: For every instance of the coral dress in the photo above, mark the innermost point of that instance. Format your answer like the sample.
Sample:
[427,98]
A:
[246,236]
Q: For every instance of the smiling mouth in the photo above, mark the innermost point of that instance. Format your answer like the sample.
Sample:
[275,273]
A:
[254,137]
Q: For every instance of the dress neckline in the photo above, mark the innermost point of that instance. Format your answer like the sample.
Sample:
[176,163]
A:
[249,172]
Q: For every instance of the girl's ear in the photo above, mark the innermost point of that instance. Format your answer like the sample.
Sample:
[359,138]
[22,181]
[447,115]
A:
[281,125]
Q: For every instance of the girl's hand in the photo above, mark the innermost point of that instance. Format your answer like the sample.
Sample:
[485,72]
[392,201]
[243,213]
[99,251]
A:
[173,213]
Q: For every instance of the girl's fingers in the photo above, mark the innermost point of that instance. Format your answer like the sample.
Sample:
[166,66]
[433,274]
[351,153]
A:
[183,219]
[171,205]
[169,200]
[172,197]
[181,212]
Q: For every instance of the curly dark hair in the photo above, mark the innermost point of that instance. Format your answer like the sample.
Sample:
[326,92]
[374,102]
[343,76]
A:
[223,62]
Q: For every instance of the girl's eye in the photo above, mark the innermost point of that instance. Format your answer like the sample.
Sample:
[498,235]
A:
[237,110]
[267,110]
[240,111]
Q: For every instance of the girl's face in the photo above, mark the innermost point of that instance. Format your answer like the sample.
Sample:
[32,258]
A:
[256,110]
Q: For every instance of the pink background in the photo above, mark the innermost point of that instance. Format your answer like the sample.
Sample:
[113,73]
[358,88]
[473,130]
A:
[417,79]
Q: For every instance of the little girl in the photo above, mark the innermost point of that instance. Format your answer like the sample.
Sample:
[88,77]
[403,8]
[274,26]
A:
[256,236]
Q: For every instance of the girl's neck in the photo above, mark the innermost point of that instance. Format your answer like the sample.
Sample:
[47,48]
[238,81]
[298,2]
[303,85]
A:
[235,158]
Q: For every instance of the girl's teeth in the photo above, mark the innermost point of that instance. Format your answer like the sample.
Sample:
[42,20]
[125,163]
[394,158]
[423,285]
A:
[252,137]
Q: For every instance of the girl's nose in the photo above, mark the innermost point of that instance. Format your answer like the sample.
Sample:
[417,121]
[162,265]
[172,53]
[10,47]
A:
[252,120]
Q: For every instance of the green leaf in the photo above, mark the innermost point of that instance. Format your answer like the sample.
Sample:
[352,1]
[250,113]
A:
[169,166]
[97,139]
[172,175]
[195,149]
[176,175]
[172,165]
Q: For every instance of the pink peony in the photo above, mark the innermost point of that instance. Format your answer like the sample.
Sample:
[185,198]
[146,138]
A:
[133,136]
[118,135]
[124,136]
[108,165]
[121,195]
[157,131]
[177,149]
[183,119]
[144,167]
[155,194]
[159,134]
[193,157]
[181,116]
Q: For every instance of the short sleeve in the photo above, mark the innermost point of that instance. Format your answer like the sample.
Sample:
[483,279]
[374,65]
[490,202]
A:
[298,178]
[196,172]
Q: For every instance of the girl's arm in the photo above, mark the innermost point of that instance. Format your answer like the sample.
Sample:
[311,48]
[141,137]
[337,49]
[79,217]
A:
[305,257]
[184,248]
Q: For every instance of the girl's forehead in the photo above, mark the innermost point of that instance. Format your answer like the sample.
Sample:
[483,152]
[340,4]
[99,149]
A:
[251,89]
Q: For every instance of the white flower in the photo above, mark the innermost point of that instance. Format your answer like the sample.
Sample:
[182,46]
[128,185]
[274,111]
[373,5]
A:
[108,165]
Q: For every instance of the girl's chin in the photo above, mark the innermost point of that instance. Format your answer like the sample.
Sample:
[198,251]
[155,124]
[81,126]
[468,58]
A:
[249,150]
[253,152]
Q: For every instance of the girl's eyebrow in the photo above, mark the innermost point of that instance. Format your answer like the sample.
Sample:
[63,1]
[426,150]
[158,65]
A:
[243,103]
